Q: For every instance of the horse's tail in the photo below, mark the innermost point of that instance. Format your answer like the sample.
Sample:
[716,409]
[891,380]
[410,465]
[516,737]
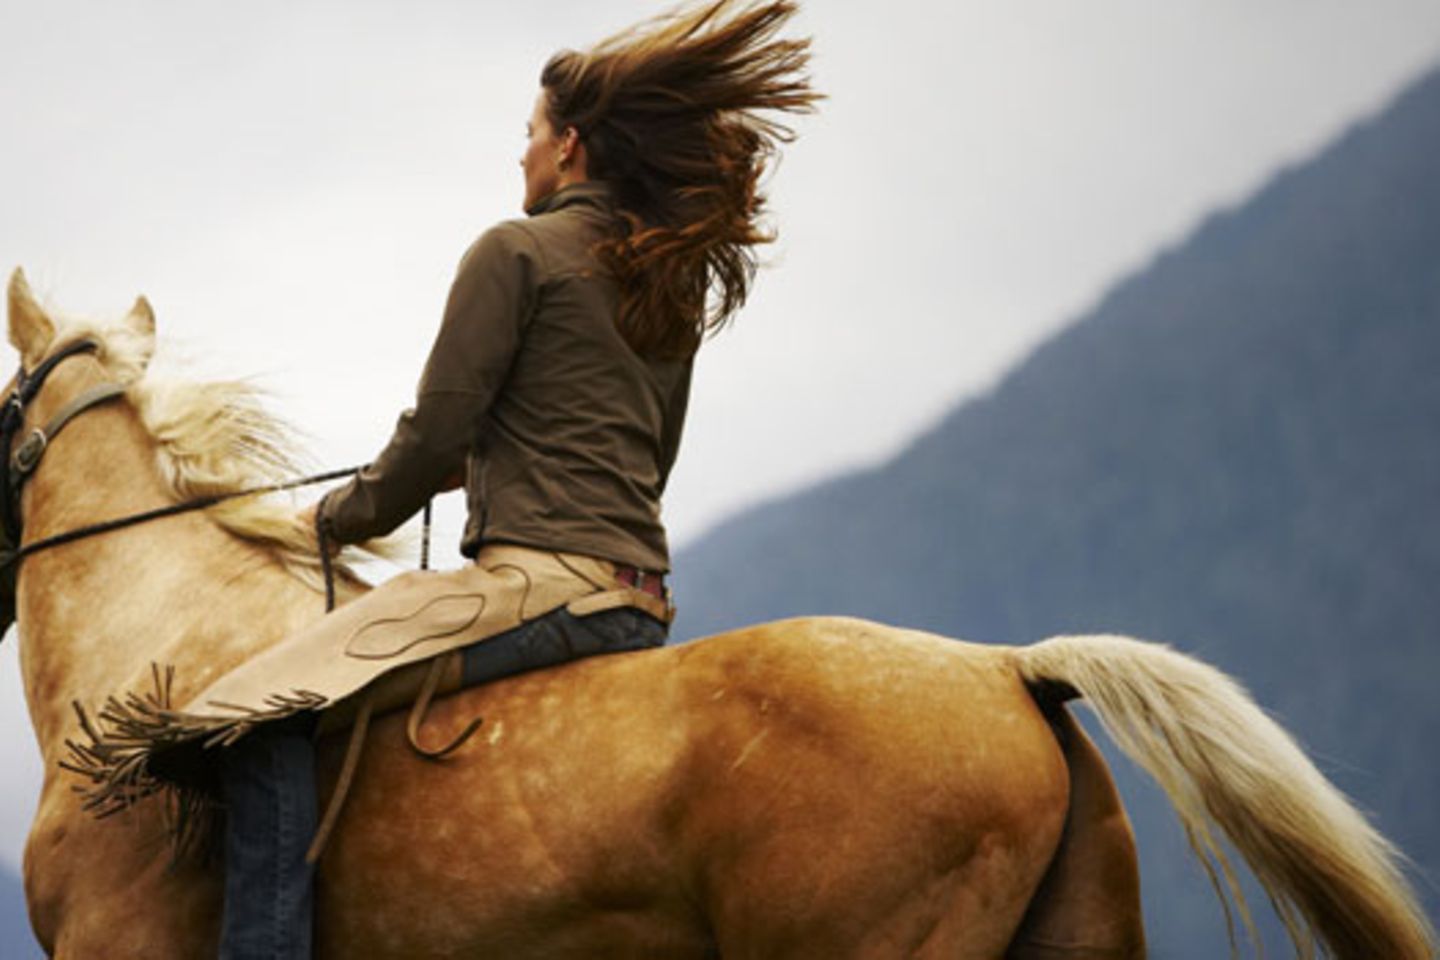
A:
[1222,761]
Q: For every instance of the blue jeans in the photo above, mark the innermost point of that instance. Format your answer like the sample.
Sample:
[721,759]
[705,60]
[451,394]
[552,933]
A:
[269,783]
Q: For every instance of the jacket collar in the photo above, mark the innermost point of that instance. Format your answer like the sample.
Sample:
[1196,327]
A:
[590,193]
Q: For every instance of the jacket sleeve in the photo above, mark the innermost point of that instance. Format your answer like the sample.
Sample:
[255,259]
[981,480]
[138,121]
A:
[489,307]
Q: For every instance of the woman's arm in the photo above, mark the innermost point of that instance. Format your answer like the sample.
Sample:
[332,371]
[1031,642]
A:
[489,306]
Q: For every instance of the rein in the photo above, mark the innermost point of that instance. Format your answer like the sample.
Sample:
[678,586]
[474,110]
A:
[199,503]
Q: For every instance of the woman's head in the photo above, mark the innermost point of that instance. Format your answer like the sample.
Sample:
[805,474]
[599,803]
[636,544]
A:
[554,156]
[677,115]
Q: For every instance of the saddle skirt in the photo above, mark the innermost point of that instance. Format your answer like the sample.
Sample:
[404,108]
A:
[418,616]
[383,641]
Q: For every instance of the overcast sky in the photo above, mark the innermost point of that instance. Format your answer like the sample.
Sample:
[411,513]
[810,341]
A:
[292,183]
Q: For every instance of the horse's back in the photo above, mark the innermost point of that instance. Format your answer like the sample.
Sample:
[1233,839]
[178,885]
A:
[807,787]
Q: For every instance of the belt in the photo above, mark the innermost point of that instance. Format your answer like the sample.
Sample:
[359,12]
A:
[643,580]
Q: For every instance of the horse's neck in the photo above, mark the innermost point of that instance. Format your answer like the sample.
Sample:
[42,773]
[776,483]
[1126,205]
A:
[96,614]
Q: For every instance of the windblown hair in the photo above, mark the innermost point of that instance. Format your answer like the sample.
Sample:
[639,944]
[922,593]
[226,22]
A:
[678,116]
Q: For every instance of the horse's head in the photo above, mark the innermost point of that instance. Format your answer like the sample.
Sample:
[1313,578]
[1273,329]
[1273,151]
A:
[28,421]
[204,439]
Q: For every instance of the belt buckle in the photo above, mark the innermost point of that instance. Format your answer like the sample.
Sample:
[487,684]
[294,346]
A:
[642,580]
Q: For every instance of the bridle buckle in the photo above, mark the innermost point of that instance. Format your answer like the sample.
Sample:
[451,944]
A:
[28,454]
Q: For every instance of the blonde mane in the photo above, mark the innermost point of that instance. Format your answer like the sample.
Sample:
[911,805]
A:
[217,438]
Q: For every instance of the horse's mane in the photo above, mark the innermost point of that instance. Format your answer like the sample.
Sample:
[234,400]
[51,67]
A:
[215,438]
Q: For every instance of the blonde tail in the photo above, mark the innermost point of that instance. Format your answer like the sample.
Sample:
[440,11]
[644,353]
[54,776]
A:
[1223,762]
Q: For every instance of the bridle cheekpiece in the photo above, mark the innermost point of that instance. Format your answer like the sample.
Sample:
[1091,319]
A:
[22,460]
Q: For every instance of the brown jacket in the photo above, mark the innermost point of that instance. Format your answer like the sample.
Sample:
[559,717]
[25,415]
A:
[565,435]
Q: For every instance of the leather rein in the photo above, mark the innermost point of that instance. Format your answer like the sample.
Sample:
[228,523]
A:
[21,462]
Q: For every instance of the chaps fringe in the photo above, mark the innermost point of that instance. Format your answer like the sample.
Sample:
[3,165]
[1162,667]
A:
[141,746]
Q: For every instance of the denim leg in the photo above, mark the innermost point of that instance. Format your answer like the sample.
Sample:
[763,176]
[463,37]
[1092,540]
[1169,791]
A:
[269,783]
[558,637]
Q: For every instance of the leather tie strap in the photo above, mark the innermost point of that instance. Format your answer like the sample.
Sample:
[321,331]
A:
[422,705]
[347,777]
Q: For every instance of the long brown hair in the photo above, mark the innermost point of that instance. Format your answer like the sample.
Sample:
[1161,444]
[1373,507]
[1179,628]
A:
[678,116]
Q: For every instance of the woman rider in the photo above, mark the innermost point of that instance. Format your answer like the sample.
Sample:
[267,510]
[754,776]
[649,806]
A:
[559,378]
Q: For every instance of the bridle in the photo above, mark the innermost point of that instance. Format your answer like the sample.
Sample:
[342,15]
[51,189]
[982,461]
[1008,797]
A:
[20,463]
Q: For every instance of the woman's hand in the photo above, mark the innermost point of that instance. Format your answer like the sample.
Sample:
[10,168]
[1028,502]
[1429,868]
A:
[454,481]
[308,517]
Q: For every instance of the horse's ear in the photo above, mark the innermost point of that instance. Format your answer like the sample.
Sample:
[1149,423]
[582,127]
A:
[141,318]
[141,322]
[30,329]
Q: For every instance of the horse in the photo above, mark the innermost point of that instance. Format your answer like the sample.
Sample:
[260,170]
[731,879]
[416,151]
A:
[820,787]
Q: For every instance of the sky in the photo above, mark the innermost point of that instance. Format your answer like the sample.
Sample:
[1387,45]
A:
[292,184]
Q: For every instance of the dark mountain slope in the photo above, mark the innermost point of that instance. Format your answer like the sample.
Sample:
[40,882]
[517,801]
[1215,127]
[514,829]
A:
[16,940]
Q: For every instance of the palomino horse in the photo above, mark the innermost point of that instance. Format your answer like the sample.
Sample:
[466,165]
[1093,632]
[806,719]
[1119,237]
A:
[813,788]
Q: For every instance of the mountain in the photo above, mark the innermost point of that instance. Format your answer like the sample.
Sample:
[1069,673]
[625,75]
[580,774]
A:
[1236,452]
[16,940]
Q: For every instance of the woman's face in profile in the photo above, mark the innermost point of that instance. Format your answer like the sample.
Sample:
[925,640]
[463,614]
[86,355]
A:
[542,152]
